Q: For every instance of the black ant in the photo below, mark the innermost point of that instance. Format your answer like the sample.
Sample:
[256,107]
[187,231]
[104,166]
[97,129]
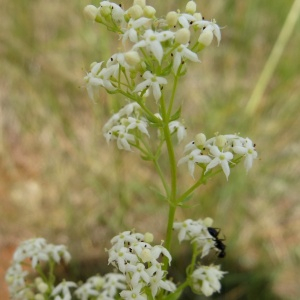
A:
[214,232]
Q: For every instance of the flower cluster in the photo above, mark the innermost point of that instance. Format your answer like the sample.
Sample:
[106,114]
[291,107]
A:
[196,231]
[32,252]
[206,280]
[224,150]
[37,254]
[153,47]
[102,287]
[134,256]
[126,126]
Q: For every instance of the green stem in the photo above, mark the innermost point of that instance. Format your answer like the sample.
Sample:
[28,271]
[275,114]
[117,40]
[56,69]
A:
[162,178]
[173,93]
[132,97]
[191,189]
[154,158]
[202,180]
[173,171]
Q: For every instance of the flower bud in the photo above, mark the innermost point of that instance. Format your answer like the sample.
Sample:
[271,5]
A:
[132,58]
[148,237]
[200,139]
[146,255]
[182,36]
[105,11]
[39,297]
[190,7]
[90,12]
[208,222]
[198,16]
[38,280]
[206,37]
[99,282]
[141,3]
[28,294]
[220,141]
[172,18]
[149,11]
[42,287]
[135,12]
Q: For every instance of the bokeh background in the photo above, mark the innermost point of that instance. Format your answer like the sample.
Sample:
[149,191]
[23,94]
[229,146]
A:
[60,180]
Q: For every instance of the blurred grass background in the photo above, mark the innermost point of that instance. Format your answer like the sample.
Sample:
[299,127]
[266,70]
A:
[61,181]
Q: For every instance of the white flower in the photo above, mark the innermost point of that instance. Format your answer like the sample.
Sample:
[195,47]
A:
[97,281]
[246,148]
[104,295]
[211,26]
[121,257]
[35,249]
[85,291]
[141,125]
[57,252]
[157,250]
[129,109]
[196,232]
[204,241]
[138,247]
[157,282]
[64,289]
[185,20]
[95,78]
[113,283]
[134,294]
[120,134]
[139,273]
[206,279]
[221,158]
[131,32]
[176,126]
[180,53]
[193,158]
[114,120]
[15,278]
[117,12]
[190,147]
[189,229]
[153,82]
[152,42]
[124,239]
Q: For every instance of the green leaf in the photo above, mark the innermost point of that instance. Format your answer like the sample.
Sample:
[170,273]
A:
[146,157]
[186,199]
[183,72]
[166,71]
[176,115]
[158,193]
[174,296]
[152,119]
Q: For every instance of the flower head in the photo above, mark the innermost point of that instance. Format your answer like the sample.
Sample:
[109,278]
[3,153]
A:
[152,42]
[206,280]
[152,82]
[193,158]
[246,148]
[220,158]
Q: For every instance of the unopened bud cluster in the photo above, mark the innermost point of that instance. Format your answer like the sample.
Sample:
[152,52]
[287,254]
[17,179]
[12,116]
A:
[150,44]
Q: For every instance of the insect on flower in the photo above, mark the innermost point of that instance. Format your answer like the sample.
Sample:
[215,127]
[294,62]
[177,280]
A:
[214,232]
